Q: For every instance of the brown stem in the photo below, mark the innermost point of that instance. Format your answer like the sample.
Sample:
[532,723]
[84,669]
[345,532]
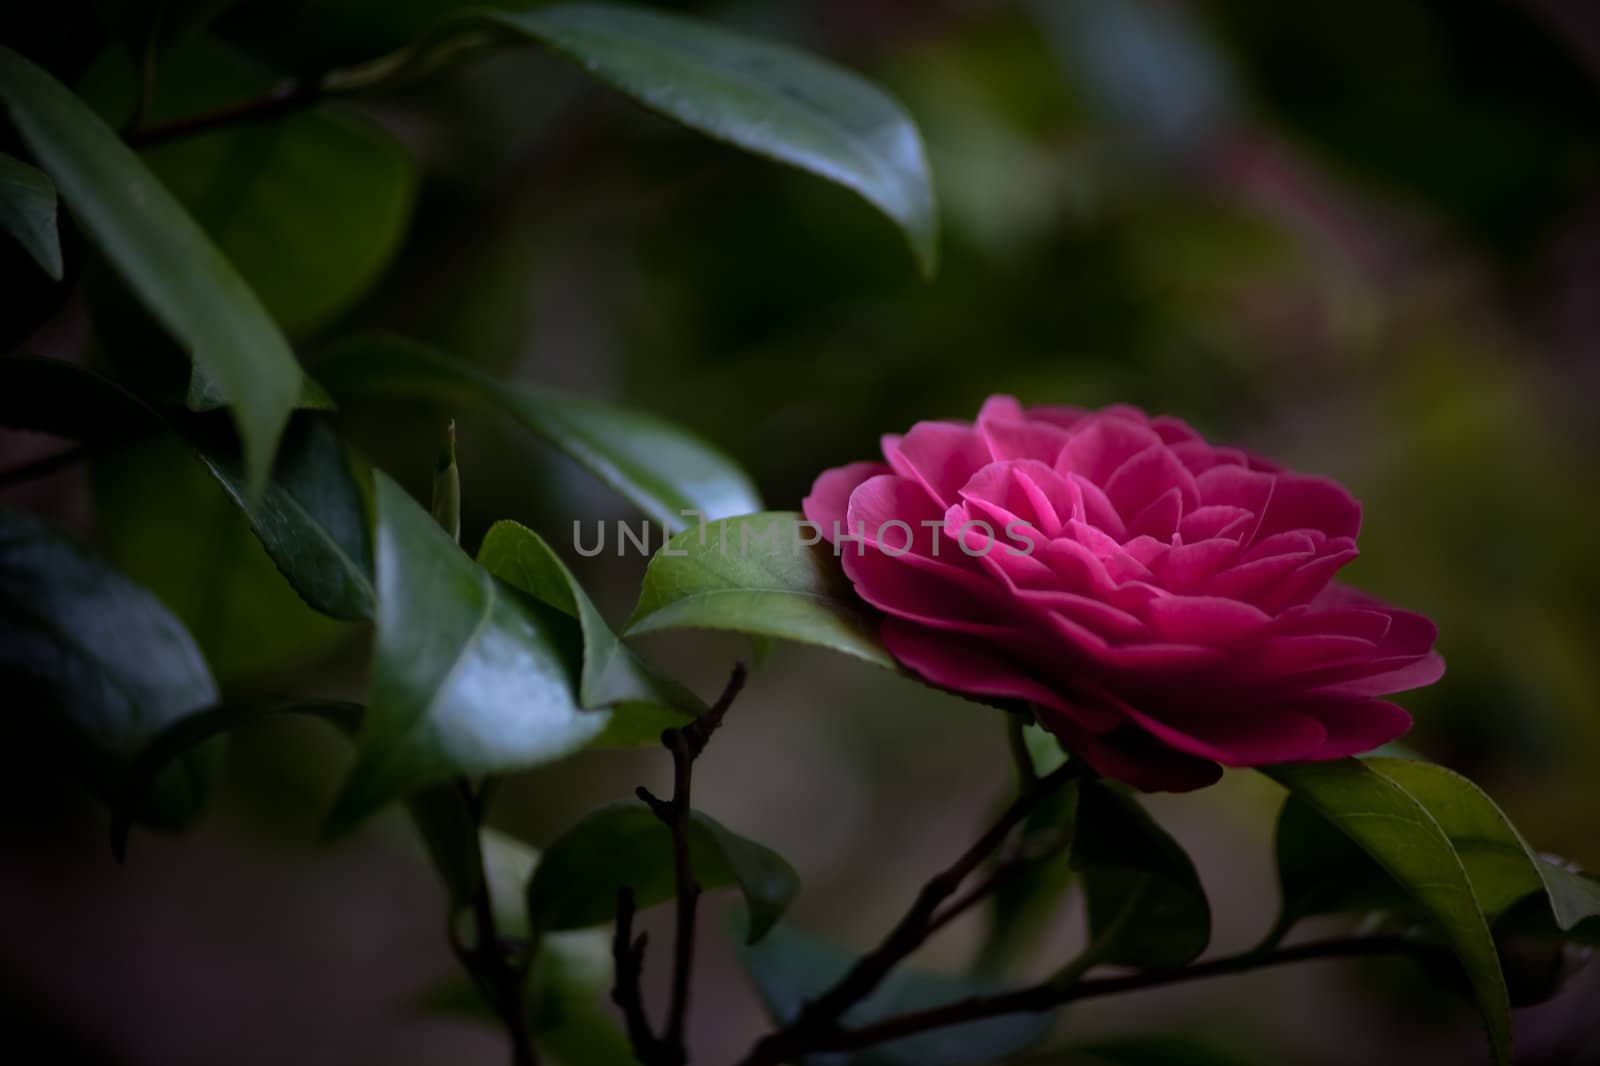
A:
[821,1015]
[627,951]
[686,744]
[282,99]
[1048,995]
[501,982]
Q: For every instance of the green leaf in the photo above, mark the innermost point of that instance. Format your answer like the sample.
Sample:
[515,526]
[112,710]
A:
[99,659]
[789,967]
[312,518]
[658,467]
[1323,872]
[446,506]
[1401,835]
[186,734]
[163,255]
[759,574]
[1024,903]
[759,96]
[626,845]
[309,207]
[468,676]
[171,522]
[1502,867]
[1146,905]
[642,702]
[28,212]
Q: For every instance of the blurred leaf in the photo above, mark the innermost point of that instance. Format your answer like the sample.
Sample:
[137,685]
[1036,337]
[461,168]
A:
[661,469]
[309,207]
[171,522]
[468,676]
[642,702]
[1149,1051]
[1405,839]
[312,518]
[1146,905]
[100,656]
[763,97]
[1025,903]
[446,505]
[184,735]
[756,574]
[626,845]
[28,212]
[163,255]
[791,966]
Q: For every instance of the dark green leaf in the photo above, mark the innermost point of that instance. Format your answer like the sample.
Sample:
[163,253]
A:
[100,656]
[309,207]
[163,255]
[186,734]
[790,967]
[626,845]
[1501,866]
[312,518]
[642,703]
[1025,902]
[762,97]
[28,212]
[760,574]
[655,465]
[447,489]
[1408,842]
[468,675]
[171,522]
[1146,905]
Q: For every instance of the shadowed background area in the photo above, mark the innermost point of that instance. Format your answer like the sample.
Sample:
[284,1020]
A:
[1363,238]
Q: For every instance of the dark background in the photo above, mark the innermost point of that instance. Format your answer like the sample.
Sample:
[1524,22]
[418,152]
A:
[1363,237]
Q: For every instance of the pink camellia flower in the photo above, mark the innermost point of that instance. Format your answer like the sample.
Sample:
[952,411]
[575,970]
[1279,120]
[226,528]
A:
[1165,604]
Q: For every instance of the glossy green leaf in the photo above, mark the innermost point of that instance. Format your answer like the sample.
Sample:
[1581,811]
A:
[1146,904]
[764,574]
[468,675]
[789,967]
[626,845]
[311,519]
[1402,836]
[309,207]
[96,660]
[763,97]
[28,212]
[642,703]
[1502,867]
[658,467]
[162,254]
[172,523]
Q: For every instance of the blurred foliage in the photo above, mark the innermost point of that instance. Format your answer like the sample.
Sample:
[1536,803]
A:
[1345,234]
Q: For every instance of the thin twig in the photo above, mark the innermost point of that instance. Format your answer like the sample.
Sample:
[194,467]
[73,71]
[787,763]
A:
[822,1014]
[686,743]
[501,982]
[1048,995]
[627,951]
[283,98]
